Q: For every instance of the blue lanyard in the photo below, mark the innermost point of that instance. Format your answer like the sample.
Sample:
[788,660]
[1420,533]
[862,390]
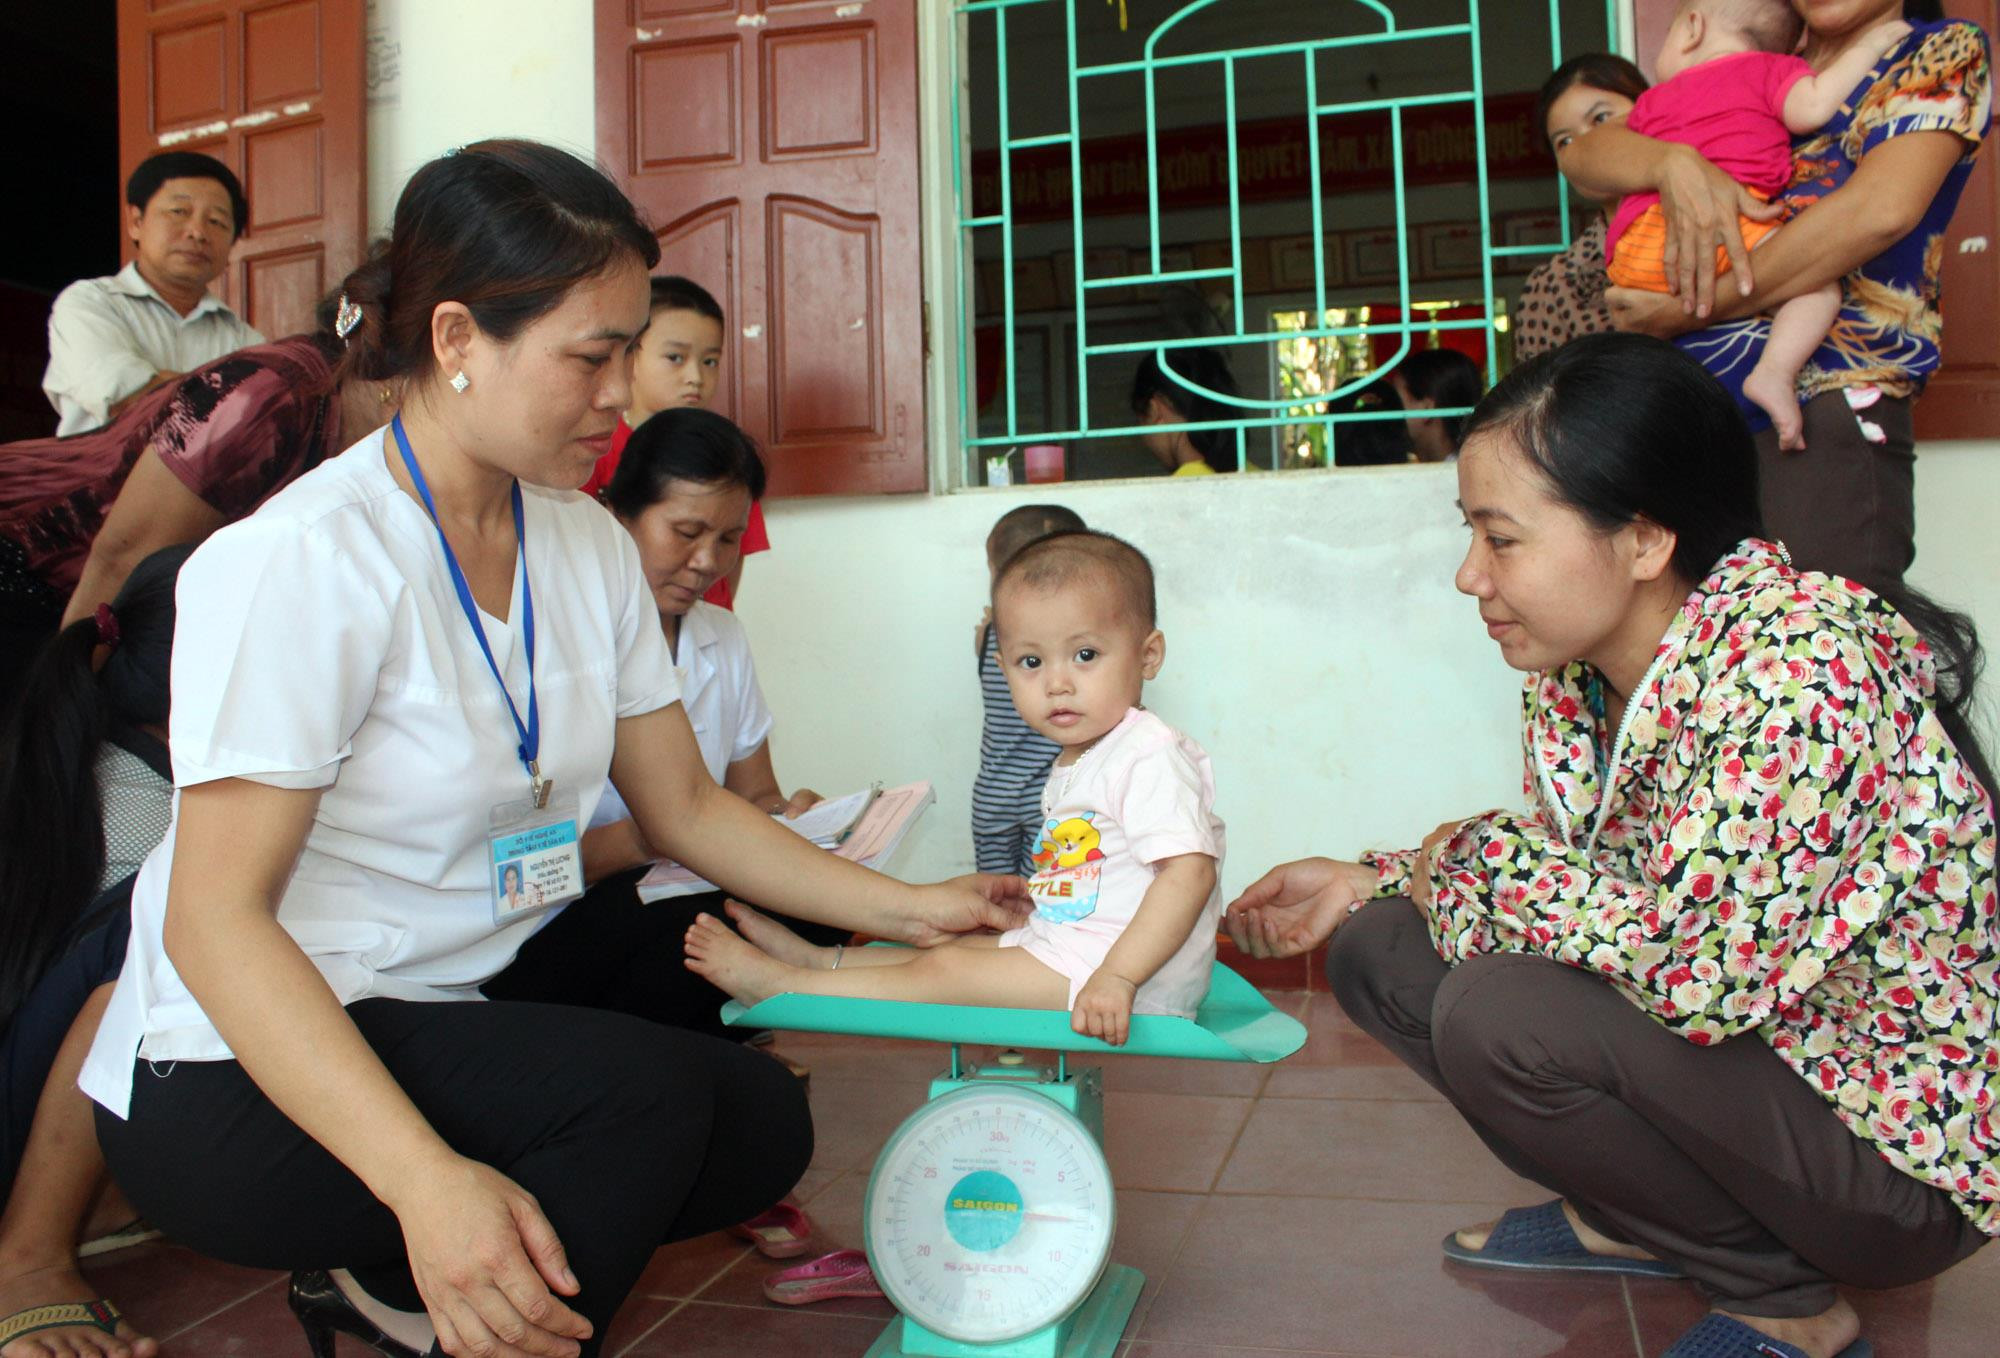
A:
[531,733]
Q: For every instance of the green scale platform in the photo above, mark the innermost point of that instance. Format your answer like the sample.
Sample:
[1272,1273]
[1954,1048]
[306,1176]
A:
[990,1211]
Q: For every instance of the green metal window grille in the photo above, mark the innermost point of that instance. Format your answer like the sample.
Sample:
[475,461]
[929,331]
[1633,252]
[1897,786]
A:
[1304,339]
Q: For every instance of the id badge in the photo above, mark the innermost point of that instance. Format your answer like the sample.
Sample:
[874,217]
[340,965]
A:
[534,861]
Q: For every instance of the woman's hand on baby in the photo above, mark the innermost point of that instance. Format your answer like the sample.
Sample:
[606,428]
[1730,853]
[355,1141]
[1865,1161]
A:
[1701,205]
[488,1265]
[1104,1008]
[1295,907]
[977,902]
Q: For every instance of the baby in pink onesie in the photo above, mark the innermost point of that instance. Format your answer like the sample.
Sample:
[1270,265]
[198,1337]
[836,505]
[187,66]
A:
[1731,89]
[1129,858]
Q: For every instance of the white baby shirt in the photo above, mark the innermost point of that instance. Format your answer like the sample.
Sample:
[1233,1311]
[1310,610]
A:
[1141,795]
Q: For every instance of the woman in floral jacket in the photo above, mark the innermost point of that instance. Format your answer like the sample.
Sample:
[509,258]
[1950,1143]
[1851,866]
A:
[1728,985]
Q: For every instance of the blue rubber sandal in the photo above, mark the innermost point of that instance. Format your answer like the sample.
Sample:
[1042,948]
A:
[1540,1240]
[1720,1336]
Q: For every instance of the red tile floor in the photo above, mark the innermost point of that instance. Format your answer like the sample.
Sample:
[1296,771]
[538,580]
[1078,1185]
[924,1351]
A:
[1286,1210]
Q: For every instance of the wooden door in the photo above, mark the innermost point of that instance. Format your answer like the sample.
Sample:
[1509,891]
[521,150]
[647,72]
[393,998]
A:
[274,90]
[1962,400]
[773,144]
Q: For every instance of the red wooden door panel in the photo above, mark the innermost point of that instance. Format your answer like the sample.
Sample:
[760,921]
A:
[274,90]
[773,144]
[1963,400]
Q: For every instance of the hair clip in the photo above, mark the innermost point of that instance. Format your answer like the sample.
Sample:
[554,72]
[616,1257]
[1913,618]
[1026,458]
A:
[346,318]
[107,625]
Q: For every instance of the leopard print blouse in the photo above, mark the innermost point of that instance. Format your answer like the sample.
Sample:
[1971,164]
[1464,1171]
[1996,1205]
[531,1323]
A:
[1564,298]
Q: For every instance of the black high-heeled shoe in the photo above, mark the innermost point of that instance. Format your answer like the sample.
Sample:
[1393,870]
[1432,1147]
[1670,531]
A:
[324,1311]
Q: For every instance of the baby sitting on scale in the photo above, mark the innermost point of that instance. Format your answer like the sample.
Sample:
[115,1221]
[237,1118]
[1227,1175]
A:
[1130,854]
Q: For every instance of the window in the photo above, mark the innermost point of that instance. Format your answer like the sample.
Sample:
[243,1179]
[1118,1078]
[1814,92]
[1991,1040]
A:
[1275,203]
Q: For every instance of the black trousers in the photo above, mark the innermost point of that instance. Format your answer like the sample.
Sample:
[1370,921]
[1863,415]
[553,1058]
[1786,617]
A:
[612,951]
[1845,505]
[629,1134]
[1720,1159]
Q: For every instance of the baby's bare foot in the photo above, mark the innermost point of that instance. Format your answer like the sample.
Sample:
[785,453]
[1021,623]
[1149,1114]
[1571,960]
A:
[775,939]
[1777,395]
[31,1287]
[716,953]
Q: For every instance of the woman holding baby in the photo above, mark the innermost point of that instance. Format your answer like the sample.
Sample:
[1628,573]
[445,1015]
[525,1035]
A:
[1871,194]
[1727,985]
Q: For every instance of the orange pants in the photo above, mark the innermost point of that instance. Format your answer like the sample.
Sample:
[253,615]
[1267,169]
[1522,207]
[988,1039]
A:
[1641,258]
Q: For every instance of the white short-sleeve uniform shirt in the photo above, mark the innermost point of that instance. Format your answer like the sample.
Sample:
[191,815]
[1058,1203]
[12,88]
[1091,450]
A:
[320,644]
[717,678]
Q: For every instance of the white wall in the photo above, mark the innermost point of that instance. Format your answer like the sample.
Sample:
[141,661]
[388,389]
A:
[1314,643]
[472,69]
[1958,549]
[1347,694]
[1310,644]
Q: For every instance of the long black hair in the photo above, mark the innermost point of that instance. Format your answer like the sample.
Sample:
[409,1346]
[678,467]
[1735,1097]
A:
[1207,369]
[51,823]
[1624,427]
[685,443]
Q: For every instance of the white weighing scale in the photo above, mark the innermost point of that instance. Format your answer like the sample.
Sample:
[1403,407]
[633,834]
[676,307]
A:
[990,1211]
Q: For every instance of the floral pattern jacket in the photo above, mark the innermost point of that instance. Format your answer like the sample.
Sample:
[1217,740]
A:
[1781,840]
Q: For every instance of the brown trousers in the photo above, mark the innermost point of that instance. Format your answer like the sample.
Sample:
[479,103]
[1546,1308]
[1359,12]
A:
[1719,1159]
[1844,505]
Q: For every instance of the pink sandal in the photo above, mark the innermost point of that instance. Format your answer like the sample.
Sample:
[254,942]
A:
[783,1232]
[844,1273]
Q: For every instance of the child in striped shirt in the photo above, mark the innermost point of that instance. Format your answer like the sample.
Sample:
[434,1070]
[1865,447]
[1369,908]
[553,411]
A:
[1013,760]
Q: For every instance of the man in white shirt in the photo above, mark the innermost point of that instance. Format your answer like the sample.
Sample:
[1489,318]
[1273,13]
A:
[111,340]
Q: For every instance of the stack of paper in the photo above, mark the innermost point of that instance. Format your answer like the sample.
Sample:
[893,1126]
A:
[867,828]
[827,823]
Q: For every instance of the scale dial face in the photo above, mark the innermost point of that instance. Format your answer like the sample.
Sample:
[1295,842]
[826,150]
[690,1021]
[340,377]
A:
[989,1214]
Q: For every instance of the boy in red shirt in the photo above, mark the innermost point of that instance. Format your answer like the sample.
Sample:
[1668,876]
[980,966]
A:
[674,362]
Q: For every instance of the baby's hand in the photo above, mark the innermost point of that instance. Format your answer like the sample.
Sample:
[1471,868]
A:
[1883,37]
[1104,1008]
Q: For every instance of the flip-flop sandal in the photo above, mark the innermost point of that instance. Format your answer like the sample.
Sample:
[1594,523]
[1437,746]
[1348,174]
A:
[844,1273]
[99,1315]
[1718,1336]
[1540,1240]
[135,1232]
[783,1232]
